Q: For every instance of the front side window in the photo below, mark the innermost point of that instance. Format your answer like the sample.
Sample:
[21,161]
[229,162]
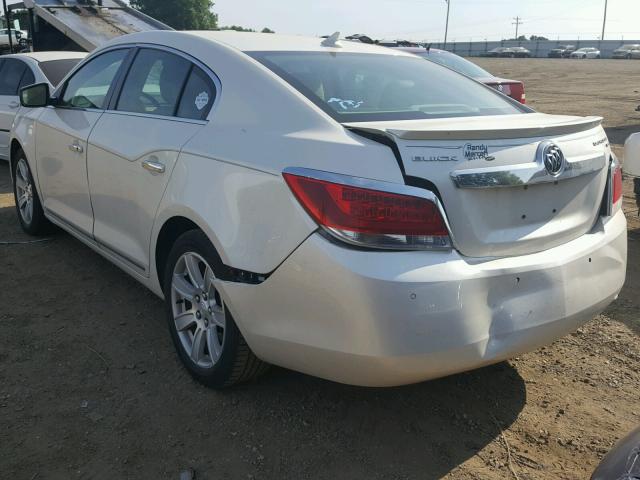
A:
[154,83]
[10,75]
[362,87]
[89,86]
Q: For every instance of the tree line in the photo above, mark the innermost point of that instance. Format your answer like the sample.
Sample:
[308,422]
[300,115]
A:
[187,14]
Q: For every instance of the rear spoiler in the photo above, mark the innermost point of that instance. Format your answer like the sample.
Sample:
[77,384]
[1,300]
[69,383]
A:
[481,128]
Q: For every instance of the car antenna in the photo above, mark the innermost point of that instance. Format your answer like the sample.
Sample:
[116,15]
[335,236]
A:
[332,40]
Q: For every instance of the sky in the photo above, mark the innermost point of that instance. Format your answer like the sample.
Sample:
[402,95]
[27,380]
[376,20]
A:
[470,20]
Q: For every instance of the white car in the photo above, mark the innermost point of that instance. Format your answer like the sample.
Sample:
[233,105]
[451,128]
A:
[16,35]
[587,52]
[337,208]
[20,70]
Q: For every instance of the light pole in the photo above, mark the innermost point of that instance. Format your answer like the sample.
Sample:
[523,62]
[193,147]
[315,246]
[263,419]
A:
[446,27]
[604,22]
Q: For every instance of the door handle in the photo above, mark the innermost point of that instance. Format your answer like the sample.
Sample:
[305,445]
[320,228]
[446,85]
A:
[14,104]
[76,147]
[153,166]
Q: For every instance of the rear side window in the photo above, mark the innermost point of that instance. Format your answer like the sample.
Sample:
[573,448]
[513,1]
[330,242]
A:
[56,70]
[198,96]
[154,83]
[89,86]
[10,76]
[363,87]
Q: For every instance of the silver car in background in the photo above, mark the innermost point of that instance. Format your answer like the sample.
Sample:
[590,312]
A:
[586,52]
[22,69]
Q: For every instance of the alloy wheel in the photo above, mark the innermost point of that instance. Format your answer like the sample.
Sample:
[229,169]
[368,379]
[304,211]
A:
[24,190]
[198,310]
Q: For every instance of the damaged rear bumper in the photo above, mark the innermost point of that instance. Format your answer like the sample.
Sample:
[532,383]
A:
[392,318]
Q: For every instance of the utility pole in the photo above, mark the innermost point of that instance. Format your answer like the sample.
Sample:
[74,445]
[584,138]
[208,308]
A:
[446,27]
[517,23]
[7,20]
[604,22]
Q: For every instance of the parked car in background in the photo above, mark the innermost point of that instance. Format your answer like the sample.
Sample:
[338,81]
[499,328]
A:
[396,221]
[561,51]
[20,70]
[632,162]
[511,88]
[587,52]
[627,51]
[498,52]
[16,35]
[520,52]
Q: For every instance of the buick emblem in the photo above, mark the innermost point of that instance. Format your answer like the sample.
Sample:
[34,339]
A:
[553,158]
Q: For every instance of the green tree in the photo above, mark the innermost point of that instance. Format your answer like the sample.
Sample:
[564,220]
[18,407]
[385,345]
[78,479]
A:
[180,14]
[237,28]
[267,30]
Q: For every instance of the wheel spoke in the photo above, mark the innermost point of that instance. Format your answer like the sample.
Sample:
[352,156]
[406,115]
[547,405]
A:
[198,344]
[192,263]
[209,278]
[185,320]
[217,316]
[215,349]
[184,288]
[22,201]
[22,170]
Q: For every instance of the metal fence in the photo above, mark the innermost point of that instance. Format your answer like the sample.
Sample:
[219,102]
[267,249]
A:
[538,48]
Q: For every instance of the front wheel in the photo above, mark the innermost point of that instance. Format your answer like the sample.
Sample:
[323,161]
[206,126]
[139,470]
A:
[28,206]
[204,333]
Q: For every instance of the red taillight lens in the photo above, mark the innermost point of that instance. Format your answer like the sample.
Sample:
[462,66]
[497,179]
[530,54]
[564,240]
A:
[617,184]
[370,217]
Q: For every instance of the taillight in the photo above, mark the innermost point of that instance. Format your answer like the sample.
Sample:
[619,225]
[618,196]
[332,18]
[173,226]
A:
[370,213]
[617,183]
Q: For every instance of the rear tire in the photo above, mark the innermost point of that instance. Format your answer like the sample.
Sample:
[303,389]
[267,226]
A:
[203,331]
[25,193]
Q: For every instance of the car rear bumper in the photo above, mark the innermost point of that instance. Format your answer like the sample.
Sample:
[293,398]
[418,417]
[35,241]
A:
[392,318]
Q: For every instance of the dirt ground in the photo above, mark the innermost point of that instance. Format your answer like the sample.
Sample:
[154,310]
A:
[90,386]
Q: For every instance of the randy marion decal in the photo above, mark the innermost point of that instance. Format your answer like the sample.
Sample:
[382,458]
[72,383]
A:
[476,152]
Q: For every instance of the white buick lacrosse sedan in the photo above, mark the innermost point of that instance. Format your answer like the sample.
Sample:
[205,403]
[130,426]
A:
[341,209]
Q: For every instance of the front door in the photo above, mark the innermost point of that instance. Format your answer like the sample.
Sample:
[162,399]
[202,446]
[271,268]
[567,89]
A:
[62,133]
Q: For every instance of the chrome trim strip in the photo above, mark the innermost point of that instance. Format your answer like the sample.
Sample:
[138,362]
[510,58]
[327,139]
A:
[82,235]
[525,174]
[381,186]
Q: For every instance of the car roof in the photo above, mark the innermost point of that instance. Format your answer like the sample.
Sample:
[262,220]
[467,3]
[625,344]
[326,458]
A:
[47,56]
[252,42]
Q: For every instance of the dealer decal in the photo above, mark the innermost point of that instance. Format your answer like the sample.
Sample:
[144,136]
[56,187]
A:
[202,100]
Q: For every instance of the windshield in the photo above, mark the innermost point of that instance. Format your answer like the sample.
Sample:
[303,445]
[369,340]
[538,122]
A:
[357,87]
[457,63]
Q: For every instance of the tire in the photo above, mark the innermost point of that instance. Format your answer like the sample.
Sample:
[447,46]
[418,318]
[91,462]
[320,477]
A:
[25,193]
[203,331]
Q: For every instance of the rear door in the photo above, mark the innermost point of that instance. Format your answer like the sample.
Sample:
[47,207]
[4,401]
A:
[14,74]
[61,139]
[164,101]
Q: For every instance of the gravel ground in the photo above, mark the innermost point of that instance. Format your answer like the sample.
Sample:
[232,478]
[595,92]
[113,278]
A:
[90,386]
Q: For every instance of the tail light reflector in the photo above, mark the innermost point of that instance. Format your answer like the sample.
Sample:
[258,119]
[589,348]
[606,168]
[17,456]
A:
[369,213]
[617,183]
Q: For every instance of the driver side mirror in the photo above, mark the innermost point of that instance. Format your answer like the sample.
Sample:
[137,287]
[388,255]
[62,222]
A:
[35,96]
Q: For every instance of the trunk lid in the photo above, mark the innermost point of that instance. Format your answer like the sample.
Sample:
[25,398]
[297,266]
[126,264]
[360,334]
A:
[499,196]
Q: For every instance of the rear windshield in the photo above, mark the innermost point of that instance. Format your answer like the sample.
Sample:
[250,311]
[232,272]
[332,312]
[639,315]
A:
[55,70]
[357,87]
[457,63]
